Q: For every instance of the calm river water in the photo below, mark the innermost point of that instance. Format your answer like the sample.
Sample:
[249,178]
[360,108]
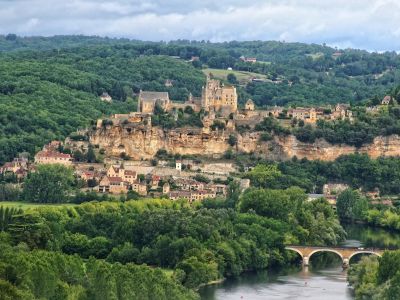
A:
[324,279]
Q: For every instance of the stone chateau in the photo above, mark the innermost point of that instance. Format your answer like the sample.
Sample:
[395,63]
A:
[216,97]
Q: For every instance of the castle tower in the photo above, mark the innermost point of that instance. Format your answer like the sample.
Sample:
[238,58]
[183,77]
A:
[216,96]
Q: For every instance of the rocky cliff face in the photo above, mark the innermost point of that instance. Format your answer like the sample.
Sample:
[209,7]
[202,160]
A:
[144,142]
[322,150]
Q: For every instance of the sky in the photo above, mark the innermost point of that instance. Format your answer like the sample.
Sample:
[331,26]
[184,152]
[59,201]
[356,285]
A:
[372,25]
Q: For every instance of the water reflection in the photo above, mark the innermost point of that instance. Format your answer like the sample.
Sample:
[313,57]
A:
[289,284]
[370,237]
[324,279]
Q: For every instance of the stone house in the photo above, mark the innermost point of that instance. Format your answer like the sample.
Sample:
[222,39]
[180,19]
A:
[341,112]
[168,83]
[330,189]
[189,185]
[218,189]
[139,188]
[155,180]
[87,175]
[175,195]
[52,146]
[113,185]
[166,188]
[148,100]
[191,196]
[299,113]
[201,195]
[53,157]
[105,97]
[126,175]
[16,165]
[374,195]
[386,100]
[248,59]
[249,105]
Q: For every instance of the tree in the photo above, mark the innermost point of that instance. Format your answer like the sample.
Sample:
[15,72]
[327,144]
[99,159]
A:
[232,78]
[269,203]
[6,216]
[79,156]
[91,156]
[232,140]
[201,178]
[49,184]
[351,205]
[11,37]
[264,175]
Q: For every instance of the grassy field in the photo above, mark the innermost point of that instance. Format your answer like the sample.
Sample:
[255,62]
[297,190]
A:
[242,76]
[25,205]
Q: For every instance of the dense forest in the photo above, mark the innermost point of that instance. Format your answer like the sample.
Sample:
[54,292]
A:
[93,251]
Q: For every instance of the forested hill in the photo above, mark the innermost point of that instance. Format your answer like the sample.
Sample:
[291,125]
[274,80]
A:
[47,95]
[300,73]
[49,87]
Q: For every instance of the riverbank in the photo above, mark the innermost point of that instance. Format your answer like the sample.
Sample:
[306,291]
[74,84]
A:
[210,283]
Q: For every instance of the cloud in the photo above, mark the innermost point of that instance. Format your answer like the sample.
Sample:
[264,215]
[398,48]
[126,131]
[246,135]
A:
[371,25]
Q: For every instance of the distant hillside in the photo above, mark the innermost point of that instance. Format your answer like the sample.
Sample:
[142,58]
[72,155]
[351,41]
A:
[47,95]
[49,87]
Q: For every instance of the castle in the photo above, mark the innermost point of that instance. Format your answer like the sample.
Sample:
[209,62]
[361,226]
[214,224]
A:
[216,97]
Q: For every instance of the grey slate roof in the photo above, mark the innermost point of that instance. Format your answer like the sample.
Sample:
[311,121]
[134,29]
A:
[153,96]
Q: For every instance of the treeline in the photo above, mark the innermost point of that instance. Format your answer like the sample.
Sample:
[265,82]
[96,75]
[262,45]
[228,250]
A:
[356,170]
[374,278]
[41,274]
[315,76]
[102,244]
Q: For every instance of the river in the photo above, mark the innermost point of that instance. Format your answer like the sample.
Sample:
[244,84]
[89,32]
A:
[324,279]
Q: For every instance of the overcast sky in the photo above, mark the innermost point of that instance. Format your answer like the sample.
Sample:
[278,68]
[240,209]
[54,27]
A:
[368,24]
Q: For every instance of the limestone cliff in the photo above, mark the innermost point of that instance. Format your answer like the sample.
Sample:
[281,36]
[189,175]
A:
[143,142]
[321,149]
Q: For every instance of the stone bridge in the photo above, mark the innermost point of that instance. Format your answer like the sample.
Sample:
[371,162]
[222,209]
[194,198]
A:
[345,253]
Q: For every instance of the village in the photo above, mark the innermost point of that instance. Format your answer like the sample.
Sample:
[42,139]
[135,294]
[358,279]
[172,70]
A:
[178,178]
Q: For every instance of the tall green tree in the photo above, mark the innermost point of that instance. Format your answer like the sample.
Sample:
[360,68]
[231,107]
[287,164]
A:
[49,184]
[90,155]
[351,205]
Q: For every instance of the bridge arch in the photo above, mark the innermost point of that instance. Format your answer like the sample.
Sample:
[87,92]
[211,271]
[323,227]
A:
[326,250]
[295,250]
[365,252]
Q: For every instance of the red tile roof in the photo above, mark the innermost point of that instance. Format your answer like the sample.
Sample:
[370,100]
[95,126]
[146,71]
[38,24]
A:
[53,154]
[129,172]
[115,179]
